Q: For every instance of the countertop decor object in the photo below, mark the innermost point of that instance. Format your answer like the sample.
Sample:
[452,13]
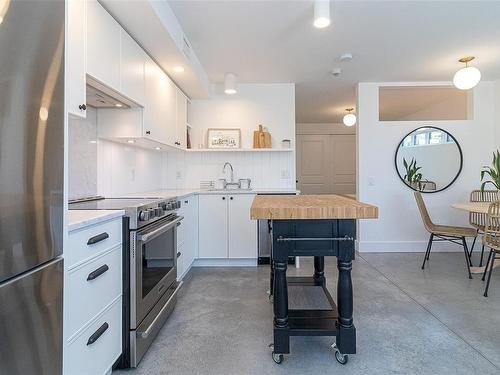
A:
[318,226]
[262,138]
[223,138]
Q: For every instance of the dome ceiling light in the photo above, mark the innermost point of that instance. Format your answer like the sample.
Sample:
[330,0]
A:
[350,118]
[230,84]
[321,13]
[468,77]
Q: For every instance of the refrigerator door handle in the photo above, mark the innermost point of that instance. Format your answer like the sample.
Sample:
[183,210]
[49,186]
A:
[95,336]
[98,238]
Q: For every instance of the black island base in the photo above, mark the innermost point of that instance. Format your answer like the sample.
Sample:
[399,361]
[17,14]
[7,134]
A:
[314,311]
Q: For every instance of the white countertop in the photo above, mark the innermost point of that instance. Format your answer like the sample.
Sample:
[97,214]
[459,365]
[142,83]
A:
[81,218]
[181,193]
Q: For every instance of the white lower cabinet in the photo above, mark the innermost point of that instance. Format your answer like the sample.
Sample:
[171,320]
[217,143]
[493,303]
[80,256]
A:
[96,348]
[187,235]
[225,228]
[93,298]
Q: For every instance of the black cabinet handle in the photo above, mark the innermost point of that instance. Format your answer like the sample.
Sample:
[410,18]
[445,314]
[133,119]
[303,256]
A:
[178,223]
[179,254]
[82,107]
[231,198]
[186,202]
[98,238]
[98,272]
[148,132]
[223,198]
[95,336]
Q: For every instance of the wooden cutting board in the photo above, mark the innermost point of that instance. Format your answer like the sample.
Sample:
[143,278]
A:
[257,136]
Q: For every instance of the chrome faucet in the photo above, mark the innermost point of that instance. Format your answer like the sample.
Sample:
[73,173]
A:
[232,170]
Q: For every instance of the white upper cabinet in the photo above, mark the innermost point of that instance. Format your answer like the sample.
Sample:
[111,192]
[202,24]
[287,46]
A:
[155,111]
[103,46]
[181,123]
[75,63]
[133,59]
[242,230]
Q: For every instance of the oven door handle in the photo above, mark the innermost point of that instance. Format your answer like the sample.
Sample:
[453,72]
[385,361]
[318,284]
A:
[155,233]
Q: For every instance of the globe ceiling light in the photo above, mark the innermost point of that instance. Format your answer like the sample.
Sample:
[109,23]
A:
[468,77]
[350,118]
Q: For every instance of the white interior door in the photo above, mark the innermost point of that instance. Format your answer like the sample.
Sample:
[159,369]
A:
[313,158]
[343,163]
[326,163]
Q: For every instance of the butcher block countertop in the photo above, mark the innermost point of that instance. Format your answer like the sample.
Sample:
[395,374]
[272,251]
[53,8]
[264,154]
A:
[285,207]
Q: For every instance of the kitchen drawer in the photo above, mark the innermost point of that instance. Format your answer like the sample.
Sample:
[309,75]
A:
[84,357]
[91,287]
[182,232]
[103,235]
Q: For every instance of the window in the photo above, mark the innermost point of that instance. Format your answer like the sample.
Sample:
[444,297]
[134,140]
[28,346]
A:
[425,137]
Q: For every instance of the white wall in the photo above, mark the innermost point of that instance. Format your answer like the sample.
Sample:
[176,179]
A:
[497,113]
[324,128]
[399,227]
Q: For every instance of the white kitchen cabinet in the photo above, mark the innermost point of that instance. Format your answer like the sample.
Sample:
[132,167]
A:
[242,230]
[187,235]
[160,105]
[93,298]
[103,46]
[225,228]
[213,226]
[132,63]
[181,120]
[75,58]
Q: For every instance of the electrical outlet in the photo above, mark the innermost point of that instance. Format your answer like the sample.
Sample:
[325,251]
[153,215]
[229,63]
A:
[285,174]
[178,175]
[371,181]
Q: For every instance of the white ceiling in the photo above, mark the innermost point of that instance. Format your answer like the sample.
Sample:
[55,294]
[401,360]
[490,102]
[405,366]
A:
[275,41]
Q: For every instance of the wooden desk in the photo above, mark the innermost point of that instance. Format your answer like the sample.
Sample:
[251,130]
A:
[318,226]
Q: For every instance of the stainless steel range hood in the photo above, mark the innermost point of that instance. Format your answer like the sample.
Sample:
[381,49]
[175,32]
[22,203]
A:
[101,96]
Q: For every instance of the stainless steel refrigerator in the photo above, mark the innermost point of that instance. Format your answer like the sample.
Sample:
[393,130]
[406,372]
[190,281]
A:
[31,186]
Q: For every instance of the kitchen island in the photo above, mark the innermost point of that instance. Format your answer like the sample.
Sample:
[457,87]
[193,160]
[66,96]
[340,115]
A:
[318,226]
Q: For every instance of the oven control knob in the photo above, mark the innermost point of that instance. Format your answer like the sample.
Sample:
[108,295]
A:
[152,213]
[143,216]
[158,211]
[169,206]
[178,204]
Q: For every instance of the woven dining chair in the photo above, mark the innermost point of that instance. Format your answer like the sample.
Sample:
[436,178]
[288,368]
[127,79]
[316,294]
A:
[491,239]
[478,220]
[440,232]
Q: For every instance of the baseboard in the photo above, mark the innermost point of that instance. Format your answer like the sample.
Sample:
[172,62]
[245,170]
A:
[224,262]
[410,246]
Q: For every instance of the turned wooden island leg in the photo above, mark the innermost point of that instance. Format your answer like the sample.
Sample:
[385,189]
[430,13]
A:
[280,295]
[346,338]
[319,270]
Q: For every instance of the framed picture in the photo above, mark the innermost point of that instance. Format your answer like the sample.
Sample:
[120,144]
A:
[223,138]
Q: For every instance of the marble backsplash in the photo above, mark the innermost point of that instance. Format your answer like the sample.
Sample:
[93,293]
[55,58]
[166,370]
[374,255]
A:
[82,156]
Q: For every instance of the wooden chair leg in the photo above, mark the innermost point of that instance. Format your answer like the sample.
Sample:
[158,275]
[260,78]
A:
[428,251]
[467,258]
[486,266]
[492,264]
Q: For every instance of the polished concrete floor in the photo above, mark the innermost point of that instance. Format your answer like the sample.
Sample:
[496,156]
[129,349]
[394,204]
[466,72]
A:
[408,321]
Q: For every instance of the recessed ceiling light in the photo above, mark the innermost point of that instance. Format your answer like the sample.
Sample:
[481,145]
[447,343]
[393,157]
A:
[93,141]
[346,57]
[130,141]
[230,84]
[321,13]
[468,77]
[178,69]
[336,72]
[119,105]
[158,148]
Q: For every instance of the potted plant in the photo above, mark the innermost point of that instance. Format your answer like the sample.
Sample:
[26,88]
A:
[413,177]
[493,172]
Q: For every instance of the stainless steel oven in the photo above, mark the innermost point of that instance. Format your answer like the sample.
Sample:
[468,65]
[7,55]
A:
[153,286]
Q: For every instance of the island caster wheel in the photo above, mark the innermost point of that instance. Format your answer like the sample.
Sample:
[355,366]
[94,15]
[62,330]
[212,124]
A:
[278,358]
[341,358]
[271,298]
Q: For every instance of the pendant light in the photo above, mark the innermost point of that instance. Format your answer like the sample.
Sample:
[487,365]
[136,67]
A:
[230,84]
[350,118]
[321,13]
[468,77]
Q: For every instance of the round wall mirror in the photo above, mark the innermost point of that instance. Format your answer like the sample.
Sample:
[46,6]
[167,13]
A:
[428,159]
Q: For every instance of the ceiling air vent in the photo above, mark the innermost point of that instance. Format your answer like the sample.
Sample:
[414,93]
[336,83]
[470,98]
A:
[186,48]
